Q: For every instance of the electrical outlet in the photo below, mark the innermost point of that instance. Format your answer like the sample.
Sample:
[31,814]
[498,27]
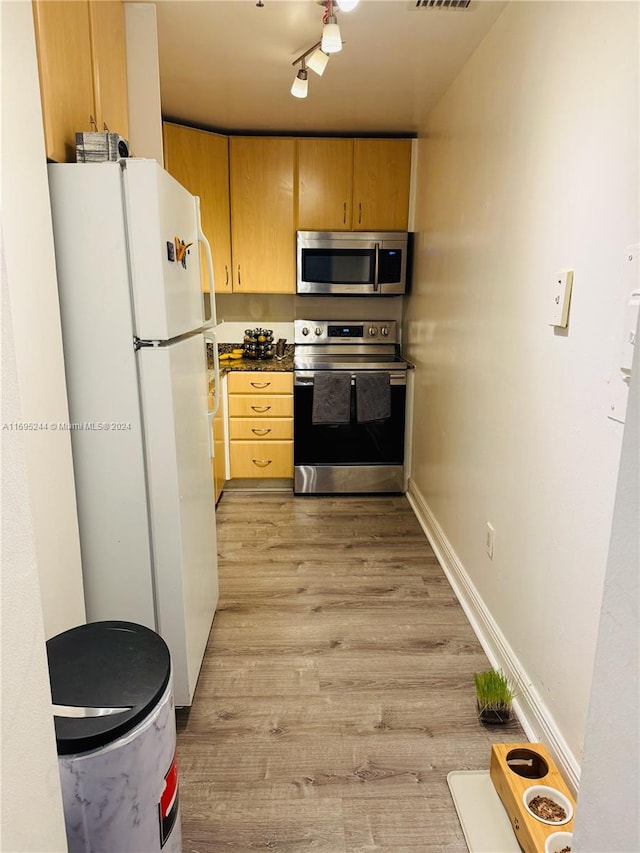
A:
[489,540]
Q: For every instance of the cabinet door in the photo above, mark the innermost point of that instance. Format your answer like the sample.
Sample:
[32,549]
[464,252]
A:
[108,47]
[381,176]
[66,77]
[262,219]
[325,174]
[200,162]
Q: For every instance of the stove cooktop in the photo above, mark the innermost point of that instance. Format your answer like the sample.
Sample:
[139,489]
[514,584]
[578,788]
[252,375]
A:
[347,345]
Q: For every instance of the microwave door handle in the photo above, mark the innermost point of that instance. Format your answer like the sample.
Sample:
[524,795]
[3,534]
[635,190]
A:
[376,269]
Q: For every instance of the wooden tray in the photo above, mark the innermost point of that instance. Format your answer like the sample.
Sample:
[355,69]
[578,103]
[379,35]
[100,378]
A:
[514,768]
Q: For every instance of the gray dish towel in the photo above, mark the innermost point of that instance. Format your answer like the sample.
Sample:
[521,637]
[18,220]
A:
[331,398]
[373,397]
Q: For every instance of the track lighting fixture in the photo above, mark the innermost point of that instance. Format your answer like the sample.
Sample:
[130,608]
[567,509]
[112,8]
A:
[317,57]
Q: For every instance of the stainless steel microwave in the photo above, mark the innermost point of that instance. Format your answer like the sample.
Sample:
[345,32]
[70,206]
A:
[352,263]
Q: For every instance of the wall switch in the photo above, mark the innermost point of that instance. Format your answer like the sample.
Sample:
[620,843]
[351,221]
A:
[489,541]
[560,298]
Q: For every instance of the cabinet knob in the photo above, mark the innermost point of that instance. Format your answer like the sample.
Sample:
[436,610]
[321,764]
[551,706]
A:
[260,409]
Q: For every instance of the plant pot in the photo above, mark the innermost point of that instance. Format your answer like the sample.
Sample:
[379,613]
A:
[493,716]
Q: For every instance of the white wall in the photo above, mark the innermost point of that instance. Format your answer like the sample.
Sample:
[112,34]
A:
[610,771]
[528,165]
[143,81]
[36,321]
[31,817]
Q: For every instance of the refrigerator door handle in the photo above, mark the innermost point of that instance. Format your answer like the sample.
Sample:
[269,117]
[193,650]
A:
[210,336]
[212,320]
[210,417]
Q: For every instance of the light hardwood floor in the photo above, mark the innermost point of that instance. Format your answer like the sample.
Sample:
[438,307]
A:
[337,688]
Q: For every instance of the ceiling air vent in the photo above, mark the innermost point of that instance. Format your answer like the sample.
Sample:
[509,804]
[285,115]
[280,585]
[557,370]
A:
[438,4]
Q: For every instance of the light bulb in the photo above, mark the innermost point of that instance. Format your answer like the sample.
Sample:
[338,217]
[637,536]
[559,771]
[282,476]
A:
[331,38]
[317,62]
[300,85]
[347,5]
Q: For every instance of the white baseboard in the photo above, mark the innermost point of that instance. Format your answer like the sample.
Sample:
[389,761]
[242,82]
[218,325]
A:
[531,711]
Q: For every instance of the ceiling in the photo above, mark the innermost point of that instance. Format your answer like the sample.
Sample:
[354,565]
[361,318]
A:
[227,64]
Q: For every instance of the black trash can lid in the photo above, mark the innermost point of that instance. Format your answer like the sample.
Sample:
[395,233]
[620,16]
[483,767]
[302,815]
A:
[117,671]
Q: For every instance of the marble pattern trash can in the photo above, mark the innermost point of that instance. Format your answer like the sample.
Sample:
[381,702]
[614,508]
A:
[116,735]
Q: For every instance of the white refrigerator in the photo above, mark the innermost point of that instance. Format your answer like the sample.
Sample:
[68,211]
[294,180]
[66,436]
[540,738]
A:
[134,326]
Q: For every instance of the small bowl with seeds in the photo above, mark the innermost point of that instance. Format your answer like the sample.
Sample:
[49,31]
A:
[547,805]
[559,842]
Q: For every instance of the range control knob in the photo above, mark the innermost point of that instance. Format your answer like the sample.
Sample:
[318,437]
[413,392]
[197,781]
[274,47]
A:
[305,330]
[373,331]
[318,330]
[385,330]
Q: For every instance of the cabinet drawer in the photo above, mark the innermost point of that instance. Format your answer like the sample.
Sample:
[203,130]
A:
[248,382]
[266,429]
[248,406]
[262,459]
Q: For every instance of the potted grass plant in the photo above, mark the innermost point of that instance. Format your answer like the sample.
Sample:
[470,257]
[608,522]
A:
[494,696]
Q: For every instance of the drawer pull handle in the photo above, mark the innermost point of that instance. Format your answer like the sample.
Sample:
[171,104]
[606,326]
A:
[261,463]
[261,431]
[260,384]
[261,409]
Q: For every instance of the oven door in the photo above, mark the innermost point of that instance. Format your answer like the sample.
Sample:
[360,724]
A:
[348,458]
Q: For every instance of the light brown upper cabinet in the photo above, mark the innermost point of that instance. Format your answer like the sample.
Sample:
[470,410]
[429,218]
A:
[359,184]
[381,177]
[199,160]
[83,72]
[262,214]
[325,184]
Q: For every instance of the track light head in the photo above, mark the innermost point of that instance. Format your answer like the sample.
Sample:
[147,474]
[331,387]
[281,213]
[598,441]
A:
[317,62]
[300,86]
[331,38]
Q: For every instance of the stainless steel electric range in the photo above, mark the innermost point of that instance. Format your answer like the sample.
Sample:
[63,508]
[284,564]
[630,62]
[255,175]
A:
[349,397]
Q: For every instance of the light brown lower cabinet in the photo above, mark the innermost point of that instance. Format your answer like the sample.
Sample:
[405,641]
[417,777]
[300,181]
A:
[261,424]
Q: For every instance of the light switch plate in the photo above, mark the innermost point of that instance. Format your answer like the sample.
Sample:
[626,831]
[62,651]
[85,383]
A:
[561,298]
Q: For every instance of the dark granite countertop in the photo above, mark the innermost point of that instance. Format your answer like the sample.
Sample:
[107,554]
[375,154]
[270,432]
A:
[252,364]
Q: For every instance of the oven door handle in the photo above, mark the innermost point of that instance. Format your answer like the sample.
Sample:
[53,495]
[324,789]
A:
[397,378]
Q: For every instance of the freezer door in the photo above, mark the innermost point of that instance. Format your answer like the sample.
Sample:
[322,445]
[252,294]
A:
[174,391]
[165,274]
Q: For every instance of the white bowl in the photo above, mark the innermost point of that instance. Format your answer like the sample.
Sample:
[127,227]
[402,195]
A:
[558,841]
[552,794]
